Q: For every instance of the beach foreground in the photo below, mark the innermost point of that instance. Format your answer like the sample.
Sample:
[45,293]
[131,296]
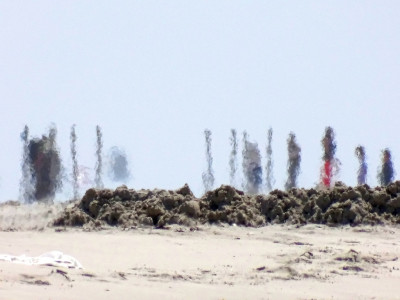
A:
[207,262]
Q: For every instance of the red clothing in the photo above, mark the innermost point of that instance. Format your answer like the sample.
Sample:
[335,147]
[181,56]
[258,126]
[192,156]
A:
[327,176]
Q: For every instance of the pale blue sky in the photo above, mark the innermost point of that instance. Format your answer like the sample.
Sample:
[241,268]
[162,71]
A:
[155,74]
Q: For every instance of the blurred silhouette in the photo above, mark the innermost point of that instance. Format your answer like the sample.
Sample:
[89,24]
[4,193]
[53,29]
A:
[46,166]
[208,176]
[75,170]
[294,159]
[363,167]
[252,169]
[386,174]
[269,167]
[118,165]
[99,163]
[331,164]
[233,157]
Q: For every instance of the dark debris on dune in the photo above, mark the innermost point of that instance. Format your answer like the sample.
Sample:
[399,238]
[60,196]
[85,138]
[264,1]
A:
[340,205]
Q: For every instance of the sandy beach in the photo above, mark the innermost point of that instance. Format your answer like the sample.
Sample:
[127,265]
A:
[207,262]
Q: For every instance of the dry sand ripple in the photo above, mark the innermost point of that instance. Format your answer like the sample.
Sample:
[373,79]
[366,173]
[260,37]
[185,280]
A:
[226,245]
[225,262]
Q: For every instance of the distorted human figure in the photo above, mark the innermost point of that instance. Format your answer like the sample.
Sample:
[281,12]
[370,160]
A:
[331,164]
[118,164]
[46,167]
[363,167]
[251,164]
[386,175]
[293,164]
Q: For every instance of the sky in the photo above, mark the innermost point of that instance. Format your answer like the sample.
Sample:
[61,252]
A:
[155,74]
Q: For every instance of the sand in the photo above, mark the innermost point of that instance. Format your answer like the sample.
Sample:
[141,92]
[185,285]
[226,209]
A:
[341,243]
[207,262]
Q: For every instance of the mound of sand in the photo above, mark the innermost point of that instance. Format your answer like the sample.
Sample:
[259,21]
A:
[130,208]
[36,216]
